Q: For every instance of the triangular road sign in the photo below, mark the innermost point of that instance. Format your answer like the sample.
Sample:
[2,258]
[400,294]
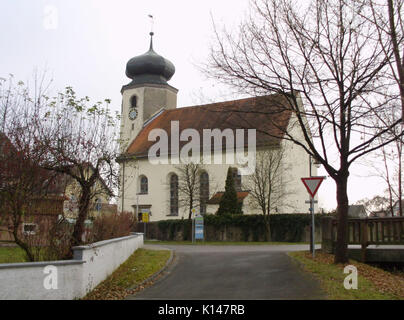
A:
[312,184]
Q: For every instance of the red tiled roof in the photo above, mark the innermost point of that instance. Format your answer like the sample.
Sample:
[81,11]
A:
[266,114]
[218,196]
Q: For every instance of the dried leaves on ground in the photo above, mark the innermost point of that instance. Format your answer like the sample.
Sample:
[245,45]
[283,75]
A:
[139,267]
[382,281]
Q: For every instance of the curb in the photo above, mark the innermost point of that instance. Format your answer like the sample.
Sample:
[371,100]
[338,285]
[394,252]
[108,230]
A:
[155,275]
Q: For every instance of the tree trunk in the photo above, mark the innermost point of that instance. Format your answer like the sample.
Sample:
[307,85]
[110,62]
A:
[268,227]
[341,250]
[84,204]
[22,244]
[400,190]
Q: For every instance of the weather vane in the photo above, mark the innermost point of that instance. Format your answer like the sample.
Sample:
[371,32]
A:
[151,22]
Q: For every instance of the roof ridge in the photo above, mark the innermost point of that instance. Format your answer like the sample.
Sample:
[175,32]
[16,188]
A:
[225,102]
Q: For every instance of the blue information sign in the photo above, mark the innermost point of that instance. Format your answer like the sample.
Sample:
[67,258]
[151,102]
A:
[199,228]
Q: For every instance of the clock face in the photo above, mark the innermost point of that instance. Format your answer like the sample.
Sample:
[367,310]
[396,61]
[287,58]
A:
[132,114]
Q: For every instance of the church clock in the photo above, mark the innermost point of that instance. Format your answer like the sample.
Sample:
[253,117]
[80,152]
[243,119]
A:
[132,114]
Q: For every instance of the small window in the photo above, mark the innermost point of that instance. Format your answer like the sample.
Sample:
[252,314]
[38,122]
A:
[29,228]
[133,102]
[144,185]
[97,204]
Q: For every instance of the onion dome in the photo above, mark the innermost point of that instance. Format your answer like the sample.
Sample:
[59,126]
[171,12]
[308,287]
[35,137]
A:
[149,67]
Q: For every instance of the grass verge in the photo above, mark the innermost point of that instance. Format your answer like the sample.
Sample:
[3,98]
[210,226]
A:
[140,266]
[221,243]
[12,255]
[373,283]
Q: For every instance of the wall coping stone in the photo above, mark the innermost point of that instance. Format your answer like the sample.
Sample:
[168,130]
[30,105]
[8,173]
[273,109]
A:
[104,242]
[40,264]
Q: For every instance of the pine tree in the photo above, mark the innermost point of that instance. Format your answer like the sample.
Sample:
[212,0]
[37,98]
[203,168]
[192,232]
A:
[229,202]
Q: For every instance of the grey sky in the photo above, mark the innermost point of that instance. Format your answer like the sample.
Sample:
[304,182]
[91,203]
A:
[86,44]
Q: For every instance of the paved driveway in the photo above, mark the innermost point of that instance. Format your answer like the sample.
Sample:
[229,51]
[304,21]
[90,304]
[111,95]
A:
[233,272]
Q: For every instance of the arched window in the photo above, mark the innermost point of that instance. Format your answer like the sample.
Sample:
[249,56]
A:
[144,185]
[237,179]
[204,191]
[174,195]
[133,102]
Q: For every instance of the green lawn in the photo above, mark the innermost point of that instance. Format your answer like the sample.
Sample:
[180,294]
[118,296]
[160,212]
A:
[140,266]
[12,254]
[221,243]
[373,283]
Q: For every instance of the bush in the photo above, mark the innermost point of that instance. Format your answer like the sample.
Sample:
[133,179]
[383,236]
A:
[51,239]
[283,227]
[111,226]
[290,227]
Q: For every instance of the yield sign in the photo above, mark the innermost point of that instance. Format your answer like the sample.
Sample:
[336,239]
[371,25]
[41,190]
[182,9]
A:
[312,184]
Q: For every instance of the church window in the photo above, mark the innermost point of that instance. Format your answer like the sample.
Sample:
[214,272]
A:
[204,191]
[133,102]
[144,185]
[174,195]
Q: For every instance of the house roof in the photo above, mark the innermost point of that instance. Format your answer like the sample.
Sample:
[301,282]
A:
[266,114]
[218,196]
[356,211]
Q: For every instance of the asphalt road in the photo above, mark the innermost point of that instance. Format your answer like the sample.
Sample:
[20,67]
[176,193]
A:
[233,272]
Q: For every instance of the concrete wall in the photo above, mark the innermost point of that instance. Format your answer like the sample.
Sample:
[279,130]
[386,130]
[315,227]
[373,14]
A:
[90,265]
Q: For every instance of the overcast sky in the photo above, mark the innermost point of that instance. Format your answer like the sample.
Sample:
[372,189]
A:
[86,45]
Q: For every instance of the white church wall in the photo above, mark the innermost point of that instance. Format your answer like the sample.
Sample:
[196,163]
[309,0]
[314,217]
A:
[295,160]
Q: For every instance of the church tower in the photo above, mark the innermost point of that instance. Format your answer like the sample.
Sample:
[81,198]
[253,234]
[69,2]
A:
[147,93]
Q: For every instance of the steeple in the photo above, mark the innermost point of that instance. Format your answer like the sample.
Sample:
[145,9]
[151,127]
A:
[149,67]
[151,40]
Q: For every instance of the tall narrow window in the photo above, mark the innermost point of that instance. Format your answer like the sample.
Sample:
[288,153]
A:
[144,185]
[204,191]
[237,179]
[133,102]
[174,195]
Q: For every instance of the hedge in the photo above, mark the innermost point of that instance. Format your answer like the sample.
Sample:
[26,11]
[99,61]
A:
[283,227]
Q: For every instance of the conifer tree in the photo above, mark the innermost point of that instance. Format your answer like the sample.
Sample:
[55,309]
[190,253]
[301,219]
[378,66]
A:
[229,202]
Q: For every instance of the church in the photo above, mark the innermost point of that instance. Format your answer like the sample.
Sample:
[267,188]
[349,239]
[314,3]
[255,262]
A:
[155,134]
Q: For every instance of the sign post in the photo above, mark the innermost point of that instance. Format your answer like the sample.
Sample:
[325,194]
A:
[193,225]
[199,228]
[145,219]
[312,184]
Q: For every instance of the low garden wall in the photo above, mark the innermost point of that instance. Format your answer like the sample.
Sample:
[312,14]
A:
[283,228]
[91,265]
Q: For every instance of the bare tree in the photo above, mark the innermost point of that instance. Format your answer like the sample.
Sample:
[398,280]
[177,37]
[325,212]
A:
[375,204]
[22,180]
[387,17]
[189,185]
[324,57]
[387,161]
[267,183]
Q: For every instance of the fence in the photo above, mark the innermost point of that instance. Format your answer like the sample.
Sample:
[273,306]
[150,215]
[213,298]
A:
[365,232]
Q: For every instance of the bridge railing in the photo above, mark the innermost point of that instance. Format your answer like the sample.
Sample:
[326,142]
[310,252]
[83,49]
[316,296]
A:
[364,231]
